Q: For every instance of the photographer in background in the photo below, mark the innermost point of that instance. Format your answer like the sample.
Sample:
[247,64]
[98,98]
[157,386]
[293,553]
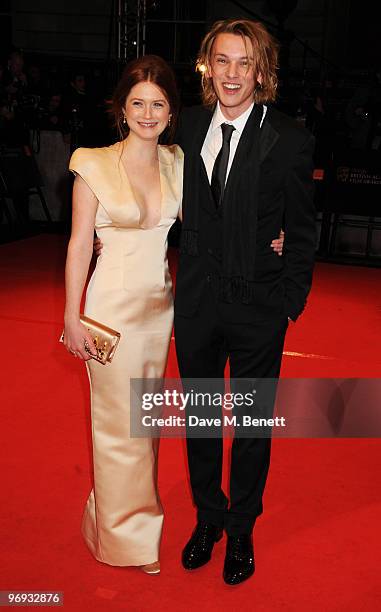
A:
[15,153]
[16,81]
[14,84]
[51,113]
[77,112]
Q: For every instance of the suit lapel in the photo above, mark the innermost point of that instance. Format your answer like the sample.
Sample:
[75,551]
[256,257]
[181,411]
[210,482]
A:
[269,136]
[247,153]
[201,130]
[250,154]
[200,135]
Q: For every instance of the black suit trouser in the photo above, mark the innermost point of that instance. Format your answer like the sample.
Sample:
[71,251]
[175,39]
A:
[204,342]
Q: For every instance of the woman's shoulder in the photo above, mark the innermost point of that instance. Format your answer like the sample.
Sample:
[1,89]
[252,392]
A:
[171,153]
[84,157]
[91,153]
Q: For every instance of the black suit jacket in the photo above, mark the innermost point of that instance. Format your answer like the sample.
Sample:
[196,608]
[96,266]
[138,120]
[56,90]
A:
[285,200]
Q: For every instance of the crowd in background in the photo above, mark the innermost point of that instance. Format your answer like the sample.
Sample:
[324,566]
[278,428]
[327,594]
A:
[32,99]
[36,100]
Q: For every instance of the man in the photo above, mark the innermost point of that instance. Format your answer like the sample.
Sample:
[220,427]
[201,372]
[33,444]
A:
[247,174]
[77,112]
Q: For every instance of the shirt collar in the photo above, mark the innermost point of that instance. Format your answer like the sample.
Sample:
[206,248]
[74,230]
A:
[239,123]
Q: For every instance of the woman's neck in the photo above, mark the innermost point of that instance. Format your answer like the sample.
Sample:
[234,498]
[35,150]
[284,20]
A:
[137,149]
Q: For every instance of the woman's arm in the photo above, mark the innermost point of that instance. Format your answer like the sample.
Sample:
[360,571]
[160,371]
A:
[77,266]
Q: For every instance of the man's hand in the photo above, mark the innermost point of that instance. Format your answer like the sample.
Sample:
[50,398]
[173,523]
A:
[98,246]
[277,244]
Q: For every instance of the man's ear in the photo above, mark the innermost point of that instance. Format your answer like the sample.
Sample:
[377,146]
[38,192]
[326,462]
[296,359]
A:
[259,78]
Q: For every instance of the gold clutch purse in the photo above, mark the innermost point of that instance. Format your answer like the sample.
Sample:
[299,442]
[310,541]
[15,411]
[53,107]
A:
[105,339]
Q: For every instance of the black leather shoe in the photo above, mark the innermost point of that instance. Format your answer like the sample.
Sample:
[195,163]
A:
[198,551]
[239,561]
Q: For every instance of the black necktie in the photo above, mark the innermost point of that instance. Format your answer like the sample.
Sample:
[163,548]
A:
[221,164]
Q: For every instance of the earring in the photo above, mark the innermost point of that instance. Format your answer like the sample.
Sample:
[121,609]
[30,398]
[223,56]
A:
[124,120]
[169,120]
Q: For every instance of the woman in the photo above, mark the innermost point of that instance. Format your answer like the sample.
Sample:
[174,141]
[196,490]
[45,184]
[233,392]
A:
[131,193]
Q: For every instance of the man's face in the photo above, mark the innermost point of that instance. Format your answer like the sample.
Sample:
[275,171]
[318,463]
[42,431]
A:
[232,73]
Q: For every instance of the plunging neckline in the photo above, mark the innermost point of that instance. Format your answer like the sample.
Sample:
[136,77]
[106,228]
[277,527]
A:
[114,147]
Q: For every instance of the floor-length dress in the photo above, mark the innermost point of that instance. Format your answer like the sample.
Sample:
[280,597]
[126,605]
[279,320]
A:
[130,291]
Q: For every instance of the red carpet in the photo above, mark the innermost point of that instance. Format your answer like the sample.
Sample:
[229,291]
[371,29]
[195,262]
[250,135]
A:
[318,544]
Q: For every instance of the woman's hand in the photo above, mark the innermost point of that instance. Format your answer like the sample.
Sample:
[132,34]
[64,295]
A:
[77,339]
[98,246]
[277,244]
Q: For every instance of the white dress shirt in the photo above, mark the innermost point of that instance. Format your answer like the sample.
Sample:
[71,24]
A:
[213,139]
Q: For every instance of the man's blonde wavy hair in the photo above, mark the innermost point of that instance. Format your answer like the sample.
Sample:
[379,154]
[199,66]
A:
[265,58]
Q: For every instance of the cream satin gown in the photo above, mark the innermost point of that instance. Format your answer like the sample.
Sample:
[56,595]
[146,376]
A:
[130,291]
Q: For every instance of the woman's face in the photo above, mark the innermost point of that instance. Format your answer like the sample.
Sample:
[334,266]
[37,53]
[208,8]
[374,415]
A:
[147,111]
